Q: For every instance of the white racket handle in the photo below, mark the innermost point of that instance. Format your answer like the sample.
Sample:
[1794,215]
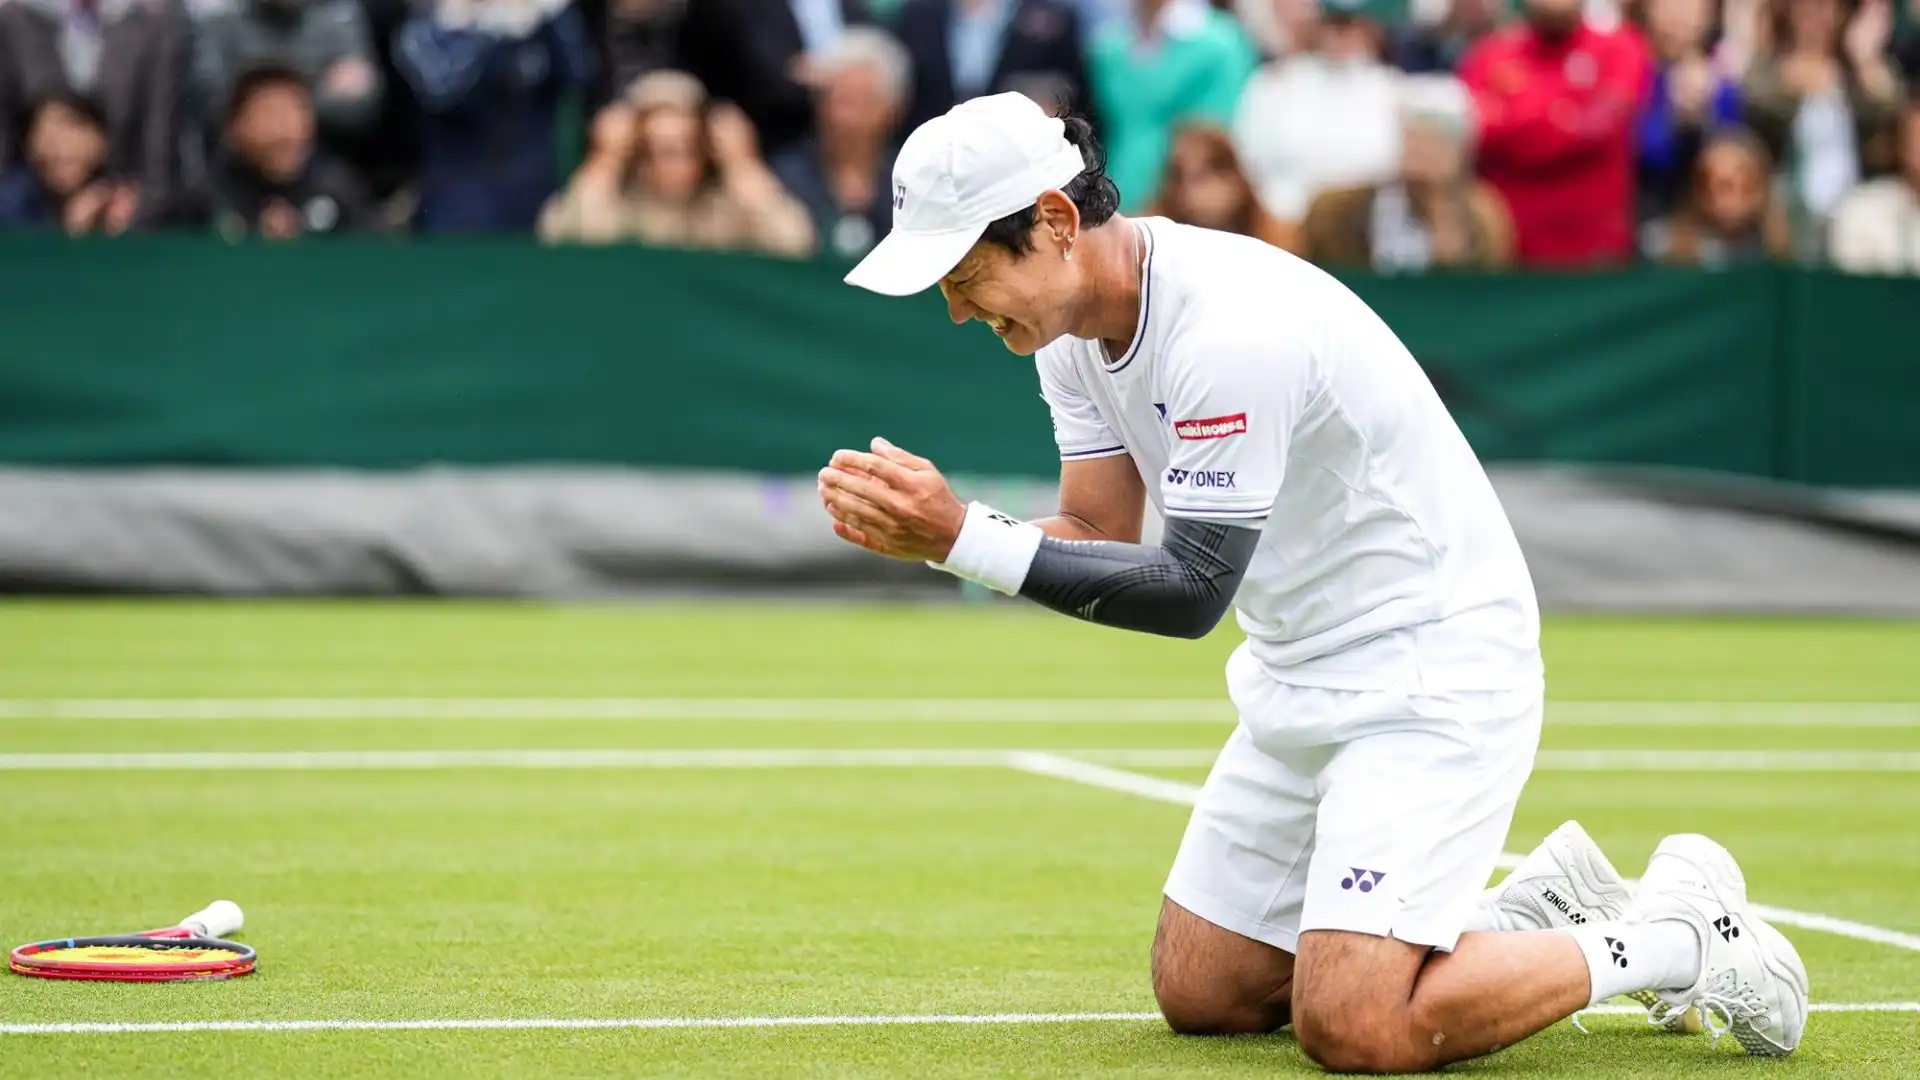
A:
[216,920]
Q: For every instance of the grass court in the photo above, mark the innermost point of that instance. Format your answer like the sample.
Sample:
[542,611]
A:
[733,839]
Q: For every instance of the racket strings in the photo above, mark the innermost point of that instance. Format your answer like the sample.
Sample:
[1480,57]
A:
[158,954]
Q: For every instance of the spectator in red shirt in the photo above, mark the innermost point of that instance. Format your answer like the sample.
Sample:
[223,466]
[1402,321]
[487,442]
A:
[1557,99]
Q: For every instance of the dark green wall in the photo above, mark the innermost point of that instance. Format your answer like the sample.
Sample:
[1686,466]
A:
[377,355]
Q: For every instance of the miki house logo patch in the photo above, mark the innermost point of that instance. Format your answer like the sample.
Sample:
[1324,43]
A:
[1216,427]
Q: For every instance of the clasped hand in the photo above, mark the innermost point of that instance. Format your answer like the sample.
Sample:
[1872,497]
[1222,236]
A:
[891,502]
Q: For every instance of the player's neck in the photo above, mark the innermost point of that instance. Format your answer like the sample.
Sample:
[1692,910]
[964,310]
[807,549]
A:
[1110,305]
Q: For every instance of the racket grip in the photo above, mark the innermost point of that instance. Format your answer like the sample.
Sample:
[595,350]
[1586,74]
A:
[216,920]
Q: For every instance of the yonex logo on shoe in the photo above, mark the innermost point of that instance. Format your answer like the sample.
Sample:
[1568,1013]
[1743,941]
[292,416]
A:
[1554,899]
[1618,949]
[1365,879]
[1728,931]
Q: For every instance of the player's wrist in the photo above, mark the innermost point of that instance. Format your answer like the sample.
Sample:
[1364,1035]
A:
[992,549]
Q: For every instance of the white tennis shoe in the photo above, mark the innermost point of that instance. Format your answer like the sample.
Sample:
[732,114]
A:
[1751,982]
[1566,881]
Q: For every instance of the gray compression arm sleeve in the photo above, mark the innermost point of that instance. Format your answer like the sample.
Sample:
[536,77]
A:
[1179,589]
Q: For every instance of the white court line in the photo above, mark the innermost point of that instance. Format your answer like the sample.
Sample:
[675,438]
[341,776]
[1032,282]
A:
[1700,761]
[567,1024]
[1761,761]
[657,1023]
[382,760]
[1153,787]
[1081,772]
[897,710]
[1726,761]
[1828,924]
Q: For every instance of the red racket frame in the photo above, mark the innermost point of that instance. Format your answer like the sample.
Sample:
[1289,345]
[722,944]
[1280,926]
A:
[225,968]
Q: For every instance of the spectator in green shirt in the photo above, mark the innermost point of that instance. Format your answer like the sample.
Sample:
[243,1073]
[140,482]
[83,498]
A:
[1177,60]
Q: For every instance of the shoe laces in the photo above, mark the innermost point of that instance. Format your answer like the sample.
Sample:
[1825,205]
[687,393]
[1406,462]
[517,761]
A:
[1723,1003]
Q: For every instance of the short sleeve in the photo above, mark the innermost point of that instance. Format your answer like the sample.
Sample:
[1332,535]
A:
[1232,403]
[1078,427]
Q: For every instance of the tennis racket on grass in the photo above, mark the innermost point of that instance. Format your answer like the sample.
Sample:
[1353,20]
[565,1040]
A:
[193,948]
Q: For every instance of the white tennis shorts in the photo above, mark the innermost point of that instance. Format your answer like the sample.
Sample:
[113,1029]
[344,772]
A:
[1378,812]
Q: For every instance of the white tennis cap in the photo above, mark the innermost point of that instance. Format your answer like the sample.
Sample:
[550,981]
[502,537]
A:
[957,174]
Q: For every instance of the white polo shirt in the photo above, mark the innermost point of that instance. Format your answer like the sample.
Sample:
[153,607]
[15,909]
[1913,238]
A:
[1259,390]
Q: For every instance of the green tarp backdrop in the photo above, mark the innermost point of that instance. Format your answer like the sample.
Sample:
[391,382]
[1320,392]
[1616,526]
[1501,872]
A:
[373,355]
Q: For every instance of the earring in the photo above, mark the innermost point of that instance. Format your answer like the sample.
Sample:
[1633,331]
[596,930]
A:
[1067,254]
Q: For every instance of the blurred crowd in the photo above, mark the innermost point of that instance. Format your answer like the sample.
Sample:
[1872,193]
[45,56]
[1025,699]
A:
[1397,135]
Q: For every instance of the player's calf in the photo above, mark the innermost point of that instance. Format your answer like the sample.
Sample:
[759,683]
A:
[1369,1004]
[1211,981]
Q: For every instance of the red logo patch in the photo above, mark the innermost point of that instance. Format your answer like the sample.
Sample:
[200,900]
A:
[1216,427]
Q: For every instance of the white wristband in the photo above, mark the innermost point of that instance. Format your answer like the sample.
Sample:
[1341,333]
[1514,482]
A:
[992,549]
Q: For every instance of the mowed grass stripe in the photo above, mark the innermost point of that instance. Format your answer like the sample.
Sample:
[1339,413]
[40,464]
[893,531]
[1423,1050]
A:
[109,1027]
[1696,761]
[898,709]
[1201,740]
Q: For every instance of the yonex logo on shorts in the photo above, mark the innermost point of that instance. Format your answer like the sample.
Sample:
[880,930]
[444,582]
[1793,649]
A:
[1618,950]
[1364,879]
[1213,427]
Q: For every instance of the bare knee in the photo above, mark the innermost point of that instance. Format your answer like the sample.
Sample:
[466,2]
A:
[1376,1039]
[1211,1009]
[1210,981]
[1353,1009]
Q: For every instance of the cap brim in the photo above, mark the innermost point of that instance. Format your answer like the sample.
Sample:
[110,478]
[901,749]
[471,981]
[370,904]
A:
[904,263]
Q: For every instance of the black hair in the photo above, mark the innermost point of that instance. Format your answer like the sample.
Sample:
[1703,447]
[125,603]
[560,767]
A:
[1093,192]
[81,105]
[256,79]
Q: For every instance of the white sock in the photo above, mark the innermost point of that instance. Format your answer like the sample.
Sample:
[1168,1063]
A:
[1624,957]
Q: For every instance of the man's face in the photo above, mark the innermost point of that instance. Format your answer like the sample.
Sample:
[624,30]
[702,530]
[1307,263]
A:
[1024,299]
[1554,18]
[274,130]
[854,106]
[1678,26]
[1733,188]
[1814,24]
[673,162]
[66,148]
